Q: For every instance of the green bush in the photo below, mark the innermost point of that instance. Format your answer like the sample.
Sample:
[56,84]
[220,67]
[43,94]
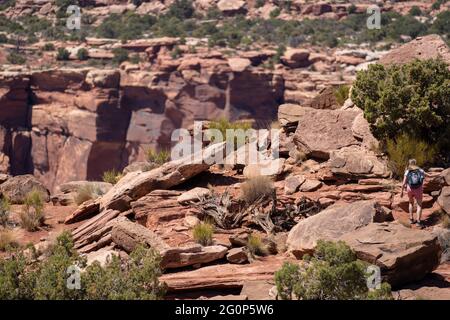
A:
[5,208]
[23,278]
[405,147]
[203,233]
[82,54]
[32,215]
[341,94]
[120,55]
[415,11]
[260,3]
[181,9]
[48,47]
[63,54]
[333,273]
[111,176]
[3,38]
[275,13]
[16,58]
[410,99]
[158,157]
[239,131]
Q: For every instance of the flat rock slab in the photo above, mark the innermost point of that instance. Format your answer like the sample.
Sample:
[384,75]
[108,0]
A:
[223,276]
[332,223]
[404,255]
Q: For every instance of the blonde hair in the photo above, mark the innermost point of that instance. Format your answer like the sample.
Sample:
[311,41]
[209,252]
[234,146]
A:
[412,164]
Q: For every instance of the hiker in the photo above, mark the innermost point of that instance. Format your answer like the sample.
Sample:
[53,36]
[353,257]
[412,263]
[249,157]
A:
[413,183]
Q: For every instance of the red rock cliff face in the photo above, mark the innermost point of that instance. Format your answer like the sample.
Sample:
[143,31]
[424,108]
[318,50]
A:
[72,124]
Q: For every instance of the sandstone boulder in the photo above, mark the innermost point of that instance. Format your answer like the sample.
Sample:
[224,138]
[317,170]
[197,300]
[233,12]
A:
[444,199]
[296,58]
[16,188]
[446,175]
[292,183]
[356,163]
[310,185]
[427,47]
[321,131]
[231,6]
[193,195]
[239,64]
[237,255]
[332,223]
[403,254]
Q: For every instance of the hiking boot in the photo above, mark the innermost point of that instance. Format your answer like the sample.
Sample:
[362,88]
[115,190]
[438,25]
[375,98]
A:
[420,225]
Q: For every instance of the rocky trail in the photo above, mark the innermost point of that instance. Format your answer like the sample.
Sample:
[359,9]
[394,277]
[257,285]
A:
[62,128]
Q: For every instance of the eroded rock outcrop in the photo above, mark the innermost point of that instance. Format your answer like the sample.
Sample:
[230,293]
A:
[403,254]
[332,223]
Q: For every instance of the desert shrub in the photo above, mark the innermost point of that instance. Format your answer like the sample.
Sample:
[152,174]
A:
[48,47]
[411,99]
[415,11]
[16,58]
[5,208]
[136,278]
[260,3]
[405,147]
[111,176]
[275,13]
[441,25]
[445,221]
[158,157]
[120,55]
[82,54]
[125,26]
[238,131]
[63,54]
[255,246]
[7,240]
[135,59]
[437,4]
[256,188]
[176,52]
[341,94]
[87,192]
[3,38]
[333,273]
[32,215]
[6,4]
[203,233]
[181,9]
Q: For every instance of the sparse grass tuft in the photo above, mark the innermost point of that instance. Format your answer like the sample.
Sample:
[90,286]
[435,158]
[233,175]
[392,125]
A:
[158,157]
[7,240]
[341,94]
[87,192]
[112,176]
[445,221]
[203,233]
[5,208]
[256,188]
[255,245]
[32,215]
[405,147]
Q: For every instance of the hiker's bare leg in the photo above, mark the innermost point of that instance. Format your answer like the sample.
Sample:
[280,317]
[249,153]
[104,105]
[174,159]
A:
[410,208]
[419,210]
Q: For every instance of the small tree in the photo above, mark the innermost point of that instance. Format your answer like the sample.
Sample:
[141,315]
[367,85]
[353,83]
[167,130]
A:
[412,98]
[63,54]
[120,55]
[5,208]
[32,215]
[333,273]
[82,54]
